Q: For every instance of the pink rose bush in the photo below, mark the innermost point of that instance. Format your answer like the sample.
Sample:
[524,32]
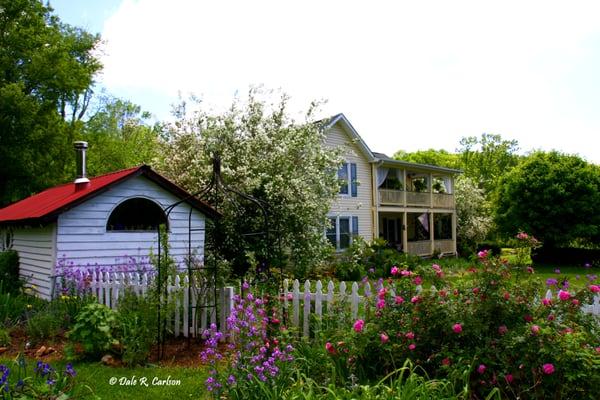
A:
[499,327]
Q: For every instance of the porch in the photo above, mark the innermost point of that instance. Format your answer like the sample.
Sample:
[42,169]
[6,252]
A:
[419,233]
[407,188]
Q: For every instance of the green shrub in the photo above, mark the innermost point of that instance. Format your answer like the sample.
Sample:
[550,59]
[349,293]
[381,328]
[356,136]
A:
[138,327]
[94,329]
[9,272]
[495,248]
[14,307]
[43,325]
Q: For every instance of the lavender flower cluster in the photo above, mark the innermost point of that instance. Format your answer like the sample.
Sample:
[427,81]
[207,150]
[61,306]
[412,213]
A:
[256,356]
[73,279]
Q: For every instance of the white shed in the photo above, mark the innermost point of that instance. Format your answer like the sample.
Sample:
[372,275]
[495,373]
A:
[102,223]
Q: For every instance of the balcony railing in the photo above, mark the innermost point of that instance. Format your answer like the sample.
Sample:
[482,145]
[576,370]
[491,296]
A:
[415,199]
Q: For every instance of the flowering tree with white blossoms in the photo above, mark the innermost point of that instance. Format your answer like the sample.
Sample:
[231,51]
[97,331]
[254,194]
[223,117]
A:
[269,155]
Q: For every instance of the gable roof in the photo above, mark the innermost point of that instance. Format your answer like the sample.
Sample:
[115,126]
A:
[48,204]
[379,157]
[341,118]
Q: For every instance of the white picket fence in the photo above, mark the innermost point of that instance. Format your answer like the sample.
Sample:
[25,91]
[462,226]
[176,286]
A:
[108,287]
[306,304]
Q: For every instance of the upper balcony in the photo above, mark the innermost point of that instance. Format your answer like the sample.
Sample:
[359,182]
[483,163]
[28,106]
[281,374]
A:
[415,188]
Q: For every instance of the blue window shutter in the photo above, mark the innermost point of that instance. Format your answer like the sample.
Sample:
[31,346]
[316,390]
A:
[354,226]
[353,180]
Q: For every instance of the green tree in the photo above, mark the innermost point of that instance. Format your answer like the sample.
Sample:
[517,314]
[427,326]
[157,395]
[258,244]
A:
[440,158]
[554,196]
[120,135]
[487,159]
[266,154]
[46,72]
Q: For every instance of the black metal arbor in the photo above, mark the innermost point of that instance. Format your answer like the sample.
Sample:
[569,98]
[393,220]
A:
[203,275]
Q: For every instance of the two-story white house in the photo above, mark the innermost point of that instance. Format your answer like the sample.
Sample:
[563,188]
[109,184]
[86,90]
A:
[409,205]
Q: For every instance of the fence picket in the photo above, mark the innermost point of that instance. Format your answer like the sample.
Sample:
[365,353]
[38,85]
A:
[307,303]
[296,303]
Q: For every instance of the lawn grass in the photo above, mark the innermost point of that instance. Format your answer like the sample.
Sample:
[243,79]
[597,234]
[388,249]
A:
[97,381]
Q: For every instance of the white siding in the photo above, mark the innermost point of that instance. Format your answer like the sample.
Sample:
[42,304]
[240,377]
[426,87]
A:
[36,256]
[362,205]
[82,237]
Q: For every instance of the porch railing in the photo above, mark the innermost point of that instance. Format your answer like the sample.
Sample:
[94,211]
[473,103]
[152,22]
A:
[415,199]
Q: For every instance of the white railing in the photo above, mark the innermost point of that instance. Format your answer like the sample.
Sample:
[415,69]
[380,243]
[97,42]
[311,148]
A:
[304,306]
[418,198]
[419,248]
[192,310]
[389,196]
[443,200]
[444,245]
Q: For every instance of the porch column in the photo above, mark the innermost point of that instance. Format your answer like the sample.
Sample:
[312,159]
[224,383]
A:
[431,235]
[430,185]
[375,202]
[454,232]
[404,233]
[404,189]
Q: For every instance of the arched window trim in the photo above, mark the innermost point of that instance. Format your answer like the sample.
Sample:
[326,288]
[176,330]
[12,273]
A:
[116,206]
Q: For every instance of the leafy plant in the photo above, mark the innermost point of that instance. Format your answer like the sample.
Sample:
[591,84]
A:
[42,325]
[4,338]
[138,326]
[94,328]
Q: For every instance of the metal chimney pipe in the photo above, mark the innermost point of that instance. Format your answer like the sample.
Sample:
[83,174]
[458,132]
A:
[81,180]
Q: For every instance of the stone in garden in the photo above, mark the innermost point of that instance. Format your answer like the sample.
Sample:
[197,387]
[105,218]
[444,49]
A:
[41,351]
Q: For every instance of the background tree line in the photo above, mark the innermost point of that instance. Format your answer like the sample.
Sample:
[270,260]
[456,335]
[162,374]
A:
[48,99]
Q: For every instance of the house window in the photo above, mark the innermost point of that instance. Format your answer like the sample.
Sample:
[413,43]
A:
[341,231]
[348,180]
[137,214]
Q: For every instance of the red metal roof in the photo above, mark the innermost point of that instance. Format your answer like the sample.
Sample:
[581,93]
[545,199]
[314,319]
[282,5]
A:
[51,202]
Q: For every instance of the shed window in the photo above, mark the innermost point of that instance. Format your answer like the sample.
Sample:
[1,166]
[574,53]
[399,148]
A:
[136,214]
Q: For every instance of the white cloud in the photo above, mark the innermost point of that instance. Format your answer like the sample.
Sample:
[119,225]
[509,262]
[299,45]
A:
[407,74]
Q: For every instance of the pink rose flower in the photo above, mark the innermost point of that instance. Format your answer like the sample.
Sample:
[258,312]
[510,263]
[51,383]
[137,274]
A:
[528,318]
[548,369]
[418,280]
[481,368]
[380,304]
[595,288]
[457,328]
[564,295]
[384,338]
[506,295]
[405,273]
[412,346]
[547,302]
[329,347]
[535,329]
[358,325]
[446,361]
[382,292]
[575,302]
[410,335]
[482,254]
[415,299]
[395,270]
[399,300]
[509,378]
[502,329]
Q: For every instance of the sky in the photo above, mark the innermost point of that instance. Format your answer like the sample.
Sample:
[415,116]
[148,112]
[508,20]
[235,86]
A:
[408,75]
